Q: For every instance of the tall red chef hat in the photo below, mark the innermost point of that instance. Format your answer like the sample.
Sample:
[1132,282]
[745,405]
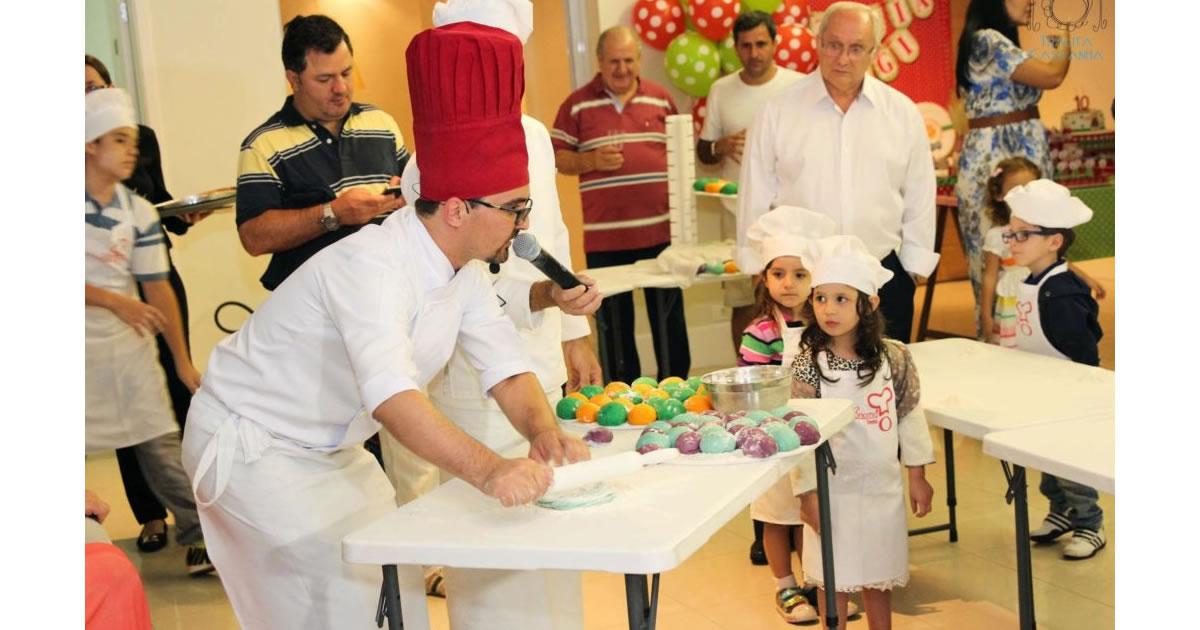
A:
[465,81]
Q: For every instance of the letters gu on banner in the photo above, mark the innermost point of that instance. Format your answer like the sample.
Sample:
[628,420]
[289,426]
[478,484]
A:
[915,55]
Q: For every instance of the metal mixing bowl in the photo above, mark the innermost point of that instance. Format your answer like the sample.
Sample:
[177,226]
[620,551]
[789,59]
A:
[751,387]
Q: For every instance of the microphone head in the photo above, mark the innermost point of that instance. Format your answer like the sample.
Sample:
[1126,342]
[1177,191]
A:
[526,246]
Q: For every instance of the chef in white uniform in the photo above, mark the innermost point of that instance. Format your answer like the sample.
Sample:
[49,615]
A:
[346,345]
[869,525]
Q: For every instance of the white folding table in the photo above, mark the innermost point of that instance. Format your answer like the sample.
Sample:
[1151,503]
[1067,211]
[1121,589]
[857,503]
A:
[661,516]
[1080,450]
[976,388]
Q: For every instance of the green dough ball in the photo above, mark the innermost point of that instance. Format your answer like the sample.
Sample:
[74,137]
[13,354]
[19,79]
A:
[591,390]
[671,408]
[729,189]
[784,436]
[567,407]
[612,414]
[683,393]
[715,268]
[659,406]
[696,185]
[719,442]
[661,440]
[677,431]
[644,380]
[695,382]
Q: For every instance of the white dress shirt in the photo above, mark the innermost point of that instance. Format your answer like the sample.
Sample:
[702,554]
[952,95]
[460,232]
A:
[869,169]
[375,314]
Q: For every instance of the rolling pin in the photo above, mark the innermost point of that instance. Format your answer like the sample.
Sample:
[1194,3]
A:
[571,476]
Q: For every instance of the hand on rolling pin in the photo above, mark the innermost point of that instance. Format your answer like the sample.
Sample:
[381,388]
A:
[552,446]
[517,481]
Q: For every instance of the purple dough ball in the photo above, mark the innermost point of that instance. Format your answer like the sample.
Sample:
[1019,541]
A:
[807,433]
[792,414]
[735,428]
[733,415]
[599,436]
[688,443]
[748,433]
[646,448]
[760,445]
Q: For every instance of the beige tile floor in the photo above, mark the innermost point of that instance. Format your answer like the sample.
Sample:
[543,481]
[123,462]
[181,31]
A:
[970,584]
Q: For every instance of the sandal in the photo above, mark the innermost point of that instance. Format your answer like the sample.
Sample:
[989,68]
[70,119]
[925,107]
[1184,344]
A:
[149,541]
[435,584]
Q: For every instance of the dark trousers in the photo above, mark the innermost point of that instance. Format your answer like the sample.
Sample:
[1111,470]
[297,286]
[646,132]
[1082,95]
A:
[141,500]
[896,300]
[615,322]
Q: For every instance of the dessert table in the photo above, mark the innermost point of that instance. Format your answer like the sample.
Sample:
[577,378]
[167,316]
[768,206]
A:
[661,515]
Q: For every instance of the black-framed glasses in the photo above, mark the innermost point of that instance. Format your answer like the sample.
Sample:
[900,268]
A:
[520,208]
[1021,236]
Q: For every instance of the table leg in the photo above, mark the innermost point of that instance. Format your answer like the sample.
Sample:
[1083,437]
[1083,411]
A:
[642,606]
[931,281]
[662,349]
[1018,496]
[389,600]
[824,461]
[951,495]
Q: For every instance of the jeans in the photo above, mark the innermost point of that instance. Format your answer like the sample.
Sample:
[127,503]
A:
[1074,500]
[159,458]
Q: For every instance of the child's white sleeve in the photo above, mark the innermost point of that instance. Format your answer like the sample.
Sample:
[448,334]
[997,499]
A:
[993,243]
[916,449]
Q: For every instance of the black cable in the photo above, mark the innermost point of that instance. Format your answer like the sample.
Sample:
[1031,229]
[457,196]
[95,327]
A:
[217,315]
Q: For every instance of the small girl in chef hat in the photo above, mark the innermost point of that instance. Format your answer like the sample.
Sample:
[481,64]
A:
[844,354]
[1057,317]
[781,238]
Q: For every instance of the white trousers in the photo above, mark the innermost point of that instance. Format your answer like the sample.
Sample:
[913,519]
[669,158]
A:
[274,516]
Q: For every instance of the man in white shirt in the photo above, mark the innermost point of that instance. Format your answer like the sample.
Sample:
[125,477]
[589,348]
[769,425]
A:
[733,103]
[847,145]
[346,345]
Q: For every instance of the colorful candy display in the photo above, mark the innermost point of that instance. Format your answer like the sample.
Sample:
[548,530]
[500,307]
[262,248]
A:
[757,433]
[642,403]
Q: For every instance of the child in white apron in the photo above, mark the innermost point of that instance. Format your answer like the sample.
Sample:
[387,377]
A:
[843,354]
[1001,274]
[780,238]
[1057,317]
[125,389]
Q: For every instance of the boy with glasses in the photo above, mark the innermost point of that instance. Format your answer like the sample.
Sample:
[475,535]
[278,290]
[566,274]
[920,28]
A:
[1057,317]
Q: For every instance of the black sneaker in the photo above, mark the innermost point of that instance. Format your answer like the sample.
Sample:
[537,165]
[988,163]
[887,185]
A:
[758,556]
[197,560]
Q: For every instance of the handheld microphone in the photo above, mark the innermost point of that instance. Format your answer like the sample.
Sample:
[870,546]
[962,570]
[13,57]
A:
[526,246]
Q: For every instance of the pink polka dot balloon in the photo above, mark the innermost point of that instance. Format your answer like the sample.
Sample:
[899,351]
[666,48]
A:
[797,48]
[699,113]
[792,12]
[658,22]
[714,18]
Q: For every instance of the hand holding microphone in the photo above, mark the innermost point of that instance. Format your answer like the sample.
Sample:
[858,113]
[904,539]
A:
[574,295]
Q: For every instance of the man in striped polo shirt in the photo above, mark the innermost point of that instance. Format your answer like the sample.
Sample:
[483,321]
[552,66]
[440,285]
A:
[612,134]
[315,171]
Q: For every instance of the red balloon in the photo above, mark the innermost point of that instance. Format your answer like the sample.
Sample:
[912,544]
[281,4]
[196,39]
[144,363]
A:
[714,18]
[797,48]
[658,21]
[699,113]
[792,12]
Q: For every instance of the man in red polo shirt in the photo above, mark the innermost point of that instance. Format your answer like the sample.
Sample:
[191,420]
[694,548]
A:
[612,134]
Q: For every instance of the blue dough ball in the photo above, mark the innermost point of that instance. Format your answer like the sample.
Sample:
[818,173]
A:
[758,415]
[720,442]
[784,436]
[662,441]
[661,425]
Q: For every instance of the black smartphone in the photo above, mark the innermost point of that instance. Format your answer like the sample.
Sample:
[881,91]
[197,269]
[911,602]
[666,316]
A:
[395,192]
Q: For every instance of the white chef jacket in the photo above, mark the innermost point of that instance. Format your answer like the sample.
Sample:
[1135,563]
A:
[544,331]
[869,169]
[732,106]
[373,315]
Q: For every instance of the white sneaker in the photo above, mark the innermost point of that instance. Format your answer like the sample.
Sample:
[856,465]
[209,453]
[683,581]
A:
[1052,527]
[1084,544]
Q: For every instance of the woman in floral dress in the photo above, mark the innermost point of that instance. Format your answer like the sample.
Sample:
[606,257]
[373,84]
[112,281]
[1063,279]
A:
[1001,85]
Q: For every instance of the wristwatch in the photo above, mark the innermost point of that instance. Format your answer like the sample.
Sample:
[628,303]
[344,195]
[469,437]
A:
[329,220]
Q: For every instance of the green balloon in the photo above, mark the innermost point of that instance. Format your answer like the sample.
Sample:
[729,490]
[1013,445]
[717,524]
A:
[729,59]
[693,63]
[766,6]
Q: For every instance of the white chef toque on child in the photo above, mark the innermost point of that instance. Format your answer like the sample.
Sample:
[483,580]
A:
[514,16]
[844,259]
[786,231]
[105,110]
[1047,204]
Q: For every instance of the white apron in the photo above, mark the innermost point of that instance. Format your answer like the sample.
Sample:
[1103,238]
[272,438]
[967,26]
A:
[779,505]
[274,512]
[1030,336]
[125,390]
[869,526]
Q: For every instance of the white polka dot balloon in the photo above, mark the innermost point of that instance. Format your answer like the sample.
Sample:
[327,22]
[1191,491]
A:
[714,18]
[796,49]
[792,12]
[693,63]
[658,21]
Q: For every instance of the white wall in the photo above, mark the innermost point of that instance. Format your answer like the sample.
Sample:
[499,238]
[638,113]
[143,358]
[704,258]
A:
[209,73]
